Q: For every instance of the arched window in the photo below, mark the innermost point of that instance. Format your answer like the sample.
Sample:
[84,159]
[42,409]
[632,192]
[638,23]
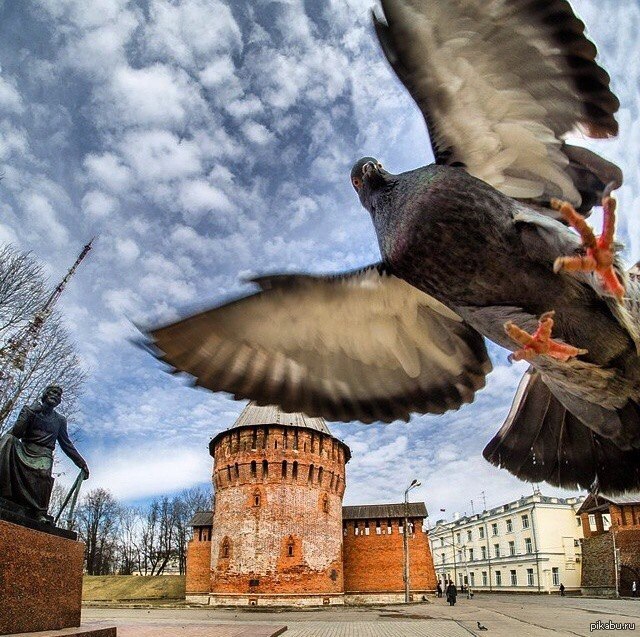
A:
[265,469]
[284,468]
[253,468]
[290,546]
[265,436]
[294,471]
[311,471]
[325,503]
[320,472]
[256,498]
[295,439]
[225,548]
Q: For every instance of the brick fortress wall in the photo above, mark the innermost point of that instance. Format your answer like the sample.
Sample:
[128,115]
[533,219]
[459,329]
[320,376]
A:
[277,525]
[373,561]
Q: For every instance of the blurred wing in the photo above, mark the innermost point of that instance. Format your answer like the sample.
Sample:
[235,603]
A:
[361,346]
[499,82]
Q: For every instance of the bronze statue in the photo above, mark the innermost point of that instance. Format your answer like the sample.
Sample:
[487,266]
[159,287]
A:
[26,454]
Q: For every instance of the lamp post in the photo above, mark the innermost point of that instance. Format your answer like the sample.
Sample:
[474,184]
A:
[405,538]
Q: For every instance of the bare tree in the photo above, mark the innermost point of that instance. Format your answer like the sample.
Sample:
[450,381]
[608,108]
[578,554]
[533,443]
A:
[158,537]
[23,293]
[185,504]
[98,518]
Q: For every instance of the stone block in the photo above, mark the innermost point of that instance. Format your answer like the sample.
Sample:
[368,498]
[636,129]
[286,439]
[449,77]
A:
[40,579]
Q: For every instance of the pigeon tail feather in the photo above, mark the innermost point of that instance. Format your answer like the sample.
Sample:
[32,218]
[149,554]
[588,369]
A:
[542,441]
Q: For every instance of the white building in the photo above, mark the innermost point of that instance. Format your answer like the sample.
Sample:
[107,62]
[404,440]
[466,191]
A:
[530,545]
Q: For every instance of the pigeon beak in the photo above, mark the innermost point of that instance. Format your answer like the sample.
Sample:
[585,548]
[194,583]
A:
[368,169]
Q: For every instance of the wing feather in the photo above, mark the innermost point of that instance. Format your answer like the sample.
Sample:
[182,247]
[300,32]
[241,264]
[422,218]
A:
[499,83]
[365,346]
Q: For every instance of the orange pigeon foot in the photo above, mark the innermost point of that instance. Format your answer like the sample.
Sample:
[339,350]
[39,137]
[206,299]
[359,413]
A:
[599,251]
[540,342]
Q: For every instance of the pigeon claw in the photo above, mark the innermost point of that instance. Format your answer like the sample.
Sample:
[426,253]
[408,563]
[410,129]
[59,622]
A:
[540,342]
[599,251]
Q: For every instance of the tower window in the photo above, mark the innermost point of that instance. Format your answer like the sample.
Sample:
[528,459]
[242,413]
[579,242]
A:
[253,468]
[294,471]
[325,503]
[290,546]
[265,436]
[256,498]
[285,439]
[225,549]
[228,473]
[311,471]
[320,472]
[295,440]
[284,468]
[254,439]
[265,468]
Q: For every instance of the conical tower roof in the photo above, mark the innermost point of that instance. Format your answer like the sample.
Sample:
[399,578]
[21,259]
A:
[254,414]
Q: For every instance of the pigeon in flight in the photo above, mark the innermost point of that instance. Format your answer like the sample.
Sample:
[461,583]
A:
[479,244]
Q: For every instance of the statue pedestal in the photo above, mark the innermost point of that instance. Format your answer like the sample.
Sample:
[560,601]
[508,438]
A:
[40,575]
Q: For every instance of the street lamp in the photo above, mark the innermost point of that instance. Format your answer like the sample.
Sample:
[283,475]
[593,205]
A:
[405,538]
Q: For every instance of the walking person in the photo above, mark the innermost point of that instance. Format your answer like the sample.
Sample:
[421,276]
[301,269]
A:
[439,589]
[561,589]
[634,589]
[452,593]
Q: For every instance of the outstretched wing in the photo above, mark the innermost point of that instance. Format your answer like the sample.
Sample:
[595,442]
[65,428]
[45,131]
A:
[361,346]
[499,82]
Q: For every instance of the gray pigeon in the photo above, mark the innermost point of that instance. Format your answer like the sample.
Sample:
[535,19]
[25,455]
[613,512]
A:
[471,247]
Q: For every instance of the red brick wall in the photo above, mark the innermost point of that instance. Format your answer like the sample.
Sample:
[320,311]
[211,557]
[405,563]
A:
[374,563]
[597,561]
[259,515]
[198,566]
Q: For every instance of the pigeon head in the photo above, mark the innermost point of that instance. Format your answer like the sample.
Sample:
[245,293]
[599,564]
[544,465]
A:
[367,177]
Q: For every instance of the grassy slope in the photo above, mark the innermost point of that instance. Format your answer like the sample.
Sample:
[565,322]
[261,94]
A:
[131,587]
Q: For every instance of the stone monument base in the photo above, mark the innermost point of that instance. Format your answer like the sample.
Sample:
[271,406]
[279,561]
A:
[88,630]
[40,576]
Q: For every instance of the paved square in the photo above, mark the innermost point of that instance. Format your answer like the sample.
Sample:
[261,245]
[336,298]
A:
[503,615]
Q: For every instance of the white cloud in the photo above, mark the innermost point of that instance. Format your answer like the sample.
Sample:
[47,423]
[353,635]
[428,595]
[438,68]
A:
[257,133]
[198,196]
[97,204]
[127,250]
[43,218]
[10,100]
[108,171]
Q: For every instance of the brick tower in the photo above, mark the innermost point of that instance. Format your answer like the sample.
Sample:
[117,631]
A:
[277,523]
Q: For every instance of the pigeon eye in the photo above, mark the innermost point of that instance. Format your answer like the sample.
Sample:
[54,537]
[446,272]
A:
[357,183]
[379,166]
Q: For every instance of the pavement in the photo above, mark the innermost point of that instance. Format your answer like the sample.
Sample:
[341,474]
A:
[503,615]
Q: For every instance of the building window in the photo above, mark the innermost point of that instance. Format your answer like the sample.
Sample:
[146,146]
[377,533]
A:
[265,468]
[253,468]
[254,439]
[295,440]
[606,521]
[256,498]
[366,527]
[237,468]
[284,468]
[356,529]
[378,528]
[294,470]
[442,557]
[509,526]
[441,542]
[472,578]
[320,472]
[514,578]
[483,551]
[325,503]
[458,539]
[471,555]
[311,471]
[525,521]
[285,439]
[265,436]
[555,574]
[485,581]
[469,536]
[481,532]
[494,529]
[459,556]
[225,549]
[275,444]
[228,473]
[529,577]
[579,521]
[389,527]
[345,526]
[290,547]
[512,548]
[400,526]
[527,545]
[331,481]
[496,550]
[498,578]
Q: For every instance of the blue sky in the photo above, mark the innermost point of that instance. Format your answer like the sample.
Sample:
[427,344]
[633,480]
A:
[204,141]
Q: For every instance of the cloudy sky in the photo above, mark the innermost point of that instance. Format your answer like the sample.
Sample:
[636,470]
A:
[205,140]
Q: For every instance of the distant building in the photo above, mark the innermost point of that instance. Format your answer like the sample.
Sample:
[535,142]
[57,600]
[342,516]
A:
[530,545]
[279,535]
[611,526]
